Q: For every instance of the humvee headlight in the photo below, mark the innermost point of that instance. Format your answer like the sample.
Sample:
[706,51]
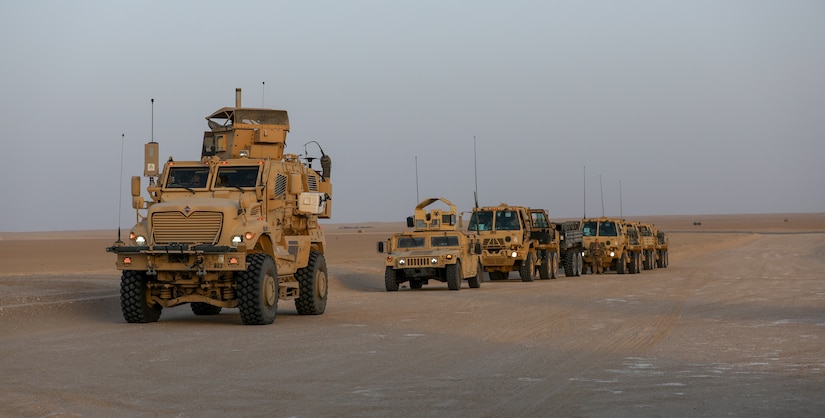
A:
[612,254]
[236,240]
[401,262]
[514,254]
[434,261]
[249,235]
[140,240]
[449,256]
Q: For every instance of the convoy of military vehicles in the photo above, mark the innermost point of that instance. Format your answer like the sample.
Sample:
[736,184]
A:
[239,228]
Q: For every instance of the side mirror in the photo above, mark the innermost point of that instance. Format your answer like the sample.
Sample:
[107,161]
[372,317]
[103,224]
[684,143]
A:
[135,186]
[410,221]
[380,246]
[477,248]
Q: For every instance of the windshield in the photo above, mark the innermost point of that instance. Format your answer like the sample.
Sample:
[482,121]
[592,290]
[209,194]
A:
[481,221]
[507,220]
[445,241]
[229,176]
[187,177]
[410,242]
[607,229]
[589,229]
[539,220]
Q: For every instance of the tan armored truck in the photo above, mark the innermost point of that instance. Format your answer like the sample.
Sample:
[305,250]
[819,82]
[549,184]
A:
[515,238]
[609,233]
[237,229]
[649,243]
[435,249]
[661,249]
[635,249]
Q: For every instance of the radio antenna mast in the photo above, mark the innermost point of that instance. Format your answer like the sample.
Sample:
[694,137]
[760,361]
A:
[475,171]
[417,199]
[601,191]
[584,190]
[621,207]
[120,192]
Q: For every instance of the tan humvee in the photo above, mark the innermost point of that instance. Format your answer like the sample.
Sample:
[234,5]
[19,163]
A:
[436,249]
[237,229]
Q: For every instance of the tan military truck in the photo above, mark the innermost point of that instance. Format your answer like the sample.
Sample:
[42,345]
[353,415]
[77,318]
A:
[609,232]
[649,244]
[635,249]
[570,247]
[435,249]
[236,229]
[661,249]
[515,238]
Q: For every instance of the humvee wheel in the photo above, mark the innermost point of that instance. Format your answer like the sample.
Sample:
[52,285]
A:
[258,290]
[201,308]
[454,275]
[526,270]
[134,303]
[312,286]
[389,279]
[569,263]
[475,281]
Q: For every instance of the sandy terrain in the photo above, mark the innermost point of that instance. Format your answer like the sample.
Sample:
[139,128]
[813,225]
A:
[734,327]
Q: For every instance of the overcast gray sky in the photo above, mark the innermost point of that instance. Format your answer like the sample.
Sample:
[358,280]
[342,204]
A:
[696,107]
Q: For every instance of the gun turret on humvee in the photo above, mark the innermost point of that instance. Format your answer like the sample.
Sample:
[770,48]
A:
[236,229]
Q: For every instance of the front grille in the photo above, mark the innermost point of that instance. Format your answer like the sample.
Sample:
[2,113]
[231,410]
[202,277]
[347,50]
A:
[493,243]
[199,227]
[417,262]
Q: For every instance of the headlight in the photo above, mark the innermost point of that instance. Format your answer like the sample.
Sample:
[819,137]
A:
[434,261]
[140,240]
[514,254]
[236,239]
[612,254]
[401,262]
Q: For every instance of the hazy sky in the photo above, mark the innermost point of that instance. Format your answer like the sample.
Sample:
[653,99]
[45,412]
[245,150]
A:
[696,107]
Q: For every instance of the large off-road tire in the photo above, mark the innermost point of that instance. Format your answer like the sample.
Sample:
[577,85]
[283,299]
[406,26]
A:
[258,290]
[568,259]
[554,265]
[204,309]
[134,304]
[453,273]
[526,270]
[475,281]
[390,281]
[313,285]
[544,267]
[634,262]
[621,265]
[578,264]
[498,275]
[662,261]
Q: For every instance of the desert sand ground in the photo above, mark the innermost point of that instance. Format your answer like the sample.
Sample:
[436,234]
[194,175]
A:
[735,326]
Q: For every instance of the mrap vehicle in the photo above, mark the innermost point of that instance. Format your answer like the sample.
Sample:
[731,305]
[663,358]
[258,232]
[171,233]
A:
[236,229]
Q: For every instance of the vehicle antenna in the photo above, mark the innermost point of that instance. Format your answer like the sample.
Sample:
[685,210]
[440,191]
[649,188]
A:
[601,191]
[153,120]
[417,199]
[263,93]
[584,190]
[120,191]
[475,171]
[621,208]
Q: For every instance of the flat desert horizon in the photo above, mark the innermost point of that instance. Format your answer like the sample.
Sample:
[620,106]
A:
[734,326]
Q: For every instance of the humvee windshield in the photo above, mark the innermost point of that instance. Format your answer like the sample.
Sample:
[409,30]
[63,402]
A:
[539,220]
[410,242]
[444,241]
[187,177]
[235,177]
